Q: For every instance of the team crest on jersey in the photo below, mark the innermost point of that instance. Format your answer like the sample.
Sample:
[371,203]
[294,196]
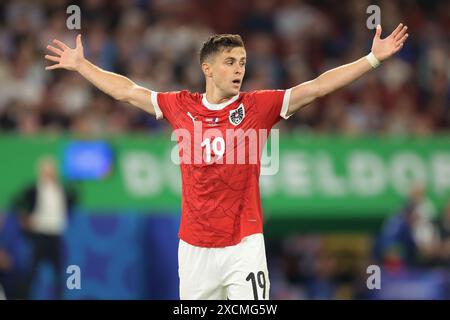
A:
[237,115]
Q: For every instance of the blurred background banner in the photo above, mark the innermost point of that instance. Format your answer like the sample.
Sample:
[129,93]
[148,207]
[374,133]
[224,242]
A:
[356,176]
[121,256]
[413,285]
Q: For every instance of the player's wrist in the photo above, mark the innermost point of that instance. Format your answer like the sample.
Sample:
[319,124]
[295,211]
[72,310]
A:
[80,64]
[374,62]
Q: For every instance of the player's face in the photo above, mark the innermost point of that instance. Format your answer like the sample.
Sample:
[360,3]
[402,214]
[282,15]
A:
[48,171]
[228,70]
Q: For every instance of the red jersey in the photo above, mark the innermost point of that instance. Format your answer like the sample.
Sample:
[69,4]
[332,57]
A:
[219,151]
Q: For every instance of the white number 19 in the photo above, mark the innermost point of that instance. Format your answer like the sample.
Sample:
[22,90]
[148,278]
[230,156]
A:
[218,147]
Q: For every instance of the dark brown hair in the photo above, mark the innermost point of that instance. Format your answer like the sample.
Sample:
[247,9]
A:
[218,42]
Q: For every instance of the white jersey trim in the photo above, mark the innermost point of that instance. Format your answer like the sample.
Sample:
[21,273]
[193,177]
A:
[158,112]
[212,106]
[285,106]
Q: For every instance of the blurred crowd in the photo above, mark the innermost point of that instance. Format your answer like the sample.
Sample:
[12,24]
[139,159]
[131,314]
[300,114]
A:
[411,247]
[156,44]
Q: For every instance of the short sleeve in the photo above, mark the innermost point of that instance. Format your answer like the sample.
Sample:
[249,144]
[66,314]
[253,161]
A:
[273,105]
[167,105]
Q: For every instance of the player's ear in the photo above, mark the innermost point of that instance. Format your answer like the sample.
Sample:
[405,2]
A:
[206,68]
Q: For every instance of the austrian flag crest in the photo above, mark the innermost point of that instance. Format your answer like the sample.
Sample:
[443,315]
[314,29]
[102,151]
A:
[237,115]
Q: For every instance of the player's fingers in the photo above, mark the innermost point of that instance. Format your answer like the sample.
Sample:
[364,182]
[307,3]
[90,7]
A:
[400,34]
[402,40]
[60,44]
[52,58]
[378,31]
[79,44]
[397,30]
[55,66]
[54,50]
[397,48]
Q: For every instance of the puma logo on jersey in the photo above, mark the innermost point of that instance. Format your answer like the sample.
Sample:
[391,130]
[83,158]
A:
[192,117]
[237,115]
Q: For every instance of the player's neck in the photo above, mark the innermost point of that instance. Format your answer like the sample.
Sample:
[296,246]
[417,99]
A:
[215,96]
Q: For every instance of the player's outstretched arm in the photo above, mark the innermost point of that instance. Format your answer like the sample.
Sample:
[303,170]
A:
[115,85]
[334,79]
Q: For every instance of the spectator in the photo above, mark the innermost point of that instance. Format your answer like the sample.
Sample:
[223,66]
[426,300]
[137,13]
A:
[443,252]
[5,262]
[395,247]
[424,230]
[44,208]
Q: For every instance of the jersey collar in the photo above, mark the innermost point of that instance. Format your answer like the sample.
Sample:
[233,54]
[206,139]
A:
[220,106]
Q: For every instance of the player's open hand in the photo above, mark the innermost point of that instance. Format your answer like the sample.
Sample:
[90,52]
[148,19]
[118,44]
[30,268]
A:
[65,57]
[384,48]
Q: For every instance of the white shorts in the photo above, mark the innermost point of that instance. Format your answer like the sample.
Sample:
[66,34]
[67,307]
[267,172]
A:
[236,272]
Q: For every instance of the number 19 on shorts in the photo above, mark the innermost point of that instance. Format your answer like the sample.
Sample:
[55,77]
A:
[258,282]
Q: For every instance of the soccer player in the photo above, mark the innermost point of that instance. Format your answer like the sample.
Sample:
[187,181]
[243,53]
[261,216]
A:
[221,249]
